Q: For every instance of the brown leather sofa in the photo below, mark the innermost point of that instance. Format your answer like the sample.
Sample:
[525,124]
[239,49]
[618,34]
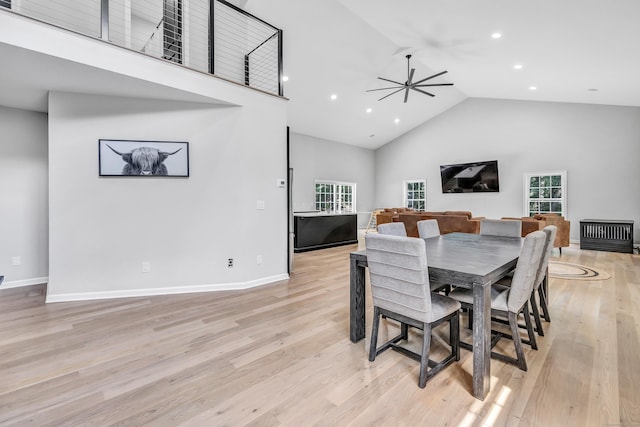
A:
[564,228]
[390,215]
[539,221]
[464,222]
[529,225]
[448,222]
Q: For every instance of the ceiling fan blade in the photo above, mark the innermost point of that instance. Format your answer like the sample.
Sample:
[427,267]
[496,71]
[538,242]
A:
[386,96]
[384,88]
[413,70]
[431,77]
[392,81]
[434,84]
[406,95]
[422,91]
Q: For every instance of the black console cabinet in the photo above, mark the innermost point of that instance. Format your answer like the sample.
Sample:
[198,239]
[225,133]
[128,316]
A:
[317,231]
[606,235]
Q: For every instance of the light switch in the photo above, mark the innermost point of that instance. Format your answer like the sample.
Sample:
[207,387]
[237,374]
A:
[260,205]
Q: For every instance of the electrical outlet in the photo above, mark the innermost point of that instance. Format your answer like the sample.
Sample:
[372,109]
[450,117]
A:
[16,260]
[230,262]
[146,267]
[259,259]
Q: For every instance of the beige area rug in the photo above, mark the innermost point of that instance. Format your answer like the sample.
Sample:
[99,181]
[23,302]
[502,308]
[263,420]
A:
[565,270]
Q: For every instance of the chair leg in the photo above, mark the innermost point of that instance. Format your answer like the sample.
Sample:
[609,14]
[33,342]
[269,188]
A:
[404,331]
[424,357]
[454,335]
[536,313]
[513,323]
[543,304]
[374,334]
[527,321]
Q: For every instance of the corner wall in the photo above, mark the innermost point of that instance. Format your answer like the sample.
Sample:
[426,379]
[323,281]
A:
[598,146]
[23,186]
[103,228]
[314,158]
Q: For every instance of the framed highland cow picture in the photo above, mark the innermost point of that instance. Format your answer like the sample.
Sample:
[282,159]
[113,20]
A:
[120,157]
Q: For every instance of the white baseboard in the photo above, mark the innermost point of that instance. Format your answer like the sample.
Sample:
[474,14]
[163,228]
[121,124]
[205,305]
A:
[85,296]
[26,282]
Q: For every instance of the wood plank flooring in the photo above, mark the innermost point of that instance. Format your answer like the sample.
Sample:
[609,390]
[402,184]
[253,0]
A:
[280,355]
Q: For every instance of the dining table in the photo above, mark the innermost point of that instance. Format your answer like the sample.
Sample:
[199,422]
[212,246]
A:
[472,261]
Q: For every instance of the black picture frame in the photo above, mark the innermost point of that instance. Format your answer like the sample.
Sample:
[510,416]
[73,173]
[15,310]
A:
[144,159]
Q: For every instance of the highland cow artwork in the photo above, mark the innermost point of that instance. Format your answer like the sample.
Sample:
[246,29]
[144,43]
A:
[143,158]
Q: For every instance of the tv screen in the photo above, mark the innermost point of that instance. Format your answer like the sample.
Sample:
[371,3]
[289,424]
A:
[478,177]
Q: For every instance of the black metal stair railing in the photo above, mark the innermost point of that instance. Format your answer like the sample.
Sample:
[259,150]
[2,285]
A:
[211,36]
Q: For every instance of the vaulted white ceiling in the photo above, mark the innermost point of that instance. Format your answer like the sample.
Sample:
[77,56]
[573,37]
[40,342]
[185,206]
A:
[581,51]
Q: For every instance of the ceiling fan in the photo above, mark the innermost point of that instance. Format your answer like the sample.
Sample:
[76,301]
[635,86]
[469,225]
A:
[410,84]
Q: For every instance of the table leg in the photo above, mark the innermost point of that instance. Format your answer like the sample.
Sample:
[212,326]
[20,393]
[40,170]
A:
[481,340]
[356,308]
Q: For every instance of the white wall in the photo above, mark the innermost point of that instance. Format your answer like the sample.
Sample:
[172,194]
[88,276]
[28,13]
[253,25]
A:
[102,229]
[23,187]
[314,158]
[598,146]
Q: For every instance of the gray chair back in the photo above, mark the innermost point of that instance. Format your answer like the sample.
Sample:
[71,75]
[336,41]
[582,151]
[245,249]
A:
[501,227]
[428,228]
[393,229]
[399,275]
[526,271]
[550,233]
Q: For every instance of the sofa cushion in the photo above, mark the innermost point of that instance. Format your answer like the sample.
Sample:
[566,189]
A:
[459,213]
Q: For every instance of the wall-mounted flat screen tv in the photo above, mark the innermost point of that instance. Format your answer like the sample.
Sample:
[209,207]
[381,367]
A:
[477,177]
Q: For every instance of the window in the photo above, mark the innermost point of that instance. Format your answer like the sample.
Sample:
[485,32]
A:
[332,196]
[5,3]
[415,194]
[545,193]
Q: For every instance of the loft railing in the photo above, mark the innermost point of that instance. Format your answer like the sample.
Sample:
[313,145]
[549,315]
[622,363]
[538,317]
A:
[211,36]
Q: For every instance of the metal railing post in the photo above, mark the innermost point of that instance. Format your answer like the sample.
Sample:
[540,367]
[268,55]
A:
[280,70]
[212,14]
[104,20]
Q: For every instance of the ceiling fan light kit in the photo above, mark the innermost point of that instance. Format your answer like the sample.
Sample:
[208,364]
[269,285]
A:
[409,84]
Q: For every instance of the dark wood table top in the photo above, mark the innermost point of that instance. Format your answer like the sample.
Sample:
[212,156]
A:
[465,259]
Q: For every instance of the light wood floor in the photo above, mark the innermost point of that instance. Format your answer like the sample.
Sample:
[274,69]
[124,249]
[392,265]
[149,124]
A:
[280,355]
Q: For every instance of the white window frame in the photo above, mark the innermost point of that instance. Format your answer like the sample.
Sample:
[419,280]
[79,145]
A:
[336,196]
[406,193]
[562,199]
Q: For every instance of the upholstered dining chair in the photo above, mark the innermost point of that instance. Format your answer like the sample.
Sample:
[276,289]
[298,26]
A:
[400,289]
[428,228]
[393,229]
[501,227]
[509,301]
[538,288]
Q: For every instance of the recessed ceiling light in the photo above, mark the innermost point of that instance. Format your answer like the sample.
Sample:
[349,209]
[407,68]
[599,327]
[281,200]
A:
[369,110]
[334,97]
[533,88]
[285,78]
[397,120]
[517,67]
[496,35]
